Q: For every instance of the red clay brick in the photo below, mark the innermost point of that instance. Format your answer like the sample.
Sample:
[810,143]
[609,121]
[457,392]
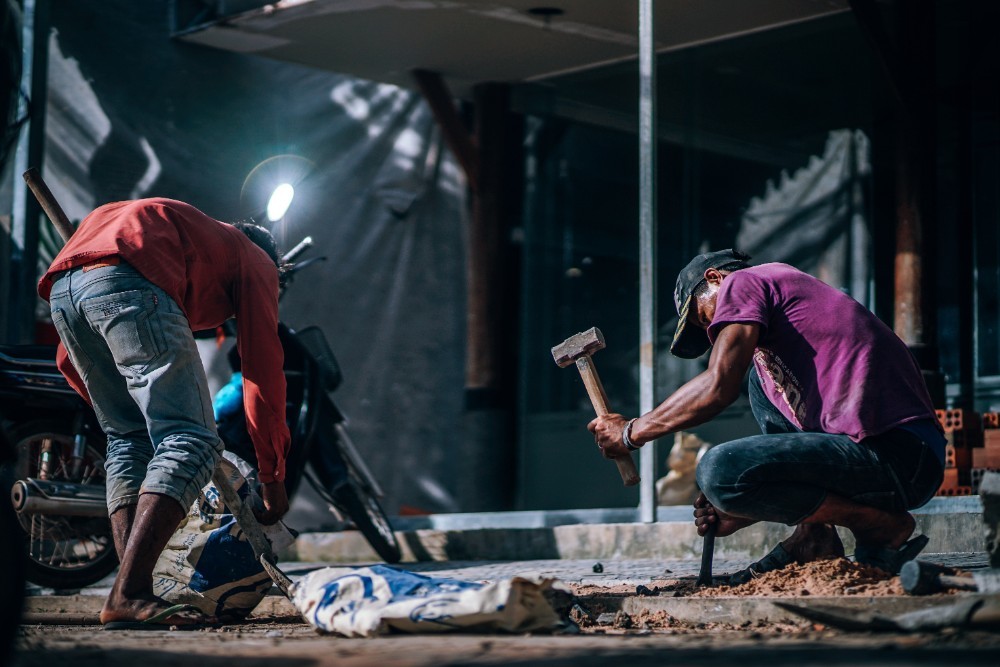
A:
[959,419]
[966,438]
[955,491]
[958,457]
[979,458]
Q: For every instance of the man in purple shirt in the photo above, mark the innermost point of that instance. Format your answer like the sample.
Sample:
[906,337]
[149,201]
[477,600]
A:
[849,437]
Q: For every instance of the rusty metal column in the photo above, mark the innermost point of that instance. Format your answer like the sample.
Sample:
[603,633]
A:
[26,212]
[909,65]
[909,316]
[915,319]
[647,252]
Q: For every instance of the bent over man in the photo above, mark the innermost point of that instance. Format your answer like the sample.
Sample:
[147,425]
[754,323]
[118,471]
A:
[849,436]
[126,292]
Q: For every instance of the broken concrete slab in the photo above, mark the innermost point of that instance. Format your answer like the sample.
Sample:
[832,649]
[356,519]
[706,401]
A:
[84,609]
[752,610]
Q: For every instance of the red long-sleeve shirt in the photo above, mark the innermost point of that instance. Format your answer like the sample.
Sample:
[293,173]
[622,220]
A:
[213,272]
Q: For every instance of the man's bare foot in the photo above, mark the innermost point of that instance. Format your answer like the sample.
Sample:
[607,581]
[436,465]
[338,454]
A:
[143,608]
[706,515]
[872,527]
[148,529]
[815,541]
[891,533]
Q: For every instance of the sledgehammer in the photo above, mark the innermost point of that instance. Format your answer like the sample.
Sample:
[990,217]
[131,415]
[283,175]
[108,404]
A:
[577,350]
[922,578]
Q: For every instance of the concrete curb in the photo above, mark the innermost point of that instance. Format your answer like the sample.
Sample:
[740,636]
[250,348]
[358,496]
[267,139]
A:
[948,532]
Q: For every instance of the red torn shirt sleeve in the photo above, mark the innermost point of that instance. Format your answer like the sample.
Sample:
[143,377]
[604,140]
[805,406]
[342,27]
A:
[262,358]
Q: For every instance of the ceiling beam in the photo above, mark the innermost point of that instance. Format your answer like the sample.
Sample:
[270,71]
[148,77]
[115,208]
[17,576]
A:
[537,102]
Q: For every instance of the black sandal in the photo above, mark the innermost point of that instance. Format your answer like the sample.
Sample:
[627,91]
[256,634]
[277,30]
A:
[890,560]
[776,559]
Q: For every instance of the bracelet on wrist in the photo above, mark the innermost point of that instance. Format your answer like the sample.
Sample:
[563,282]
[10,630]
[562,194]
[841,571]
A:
[626,436]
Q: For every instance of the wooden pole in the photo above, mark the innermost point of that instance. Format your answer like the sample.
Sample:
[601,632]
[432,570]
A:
[434,90]
[492,162]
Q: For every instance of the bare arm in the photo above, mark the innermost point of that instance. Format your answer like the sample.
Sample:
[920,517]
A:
[696,402]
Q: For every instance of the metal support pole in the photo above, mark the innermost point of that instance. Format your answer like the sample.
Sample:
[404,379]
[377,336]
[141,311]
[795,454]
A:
[26,212]
[647,251]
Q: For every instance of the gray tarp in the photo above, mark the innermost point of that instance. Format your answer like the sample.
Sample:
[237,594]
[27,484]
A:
[817,219]
[132,113]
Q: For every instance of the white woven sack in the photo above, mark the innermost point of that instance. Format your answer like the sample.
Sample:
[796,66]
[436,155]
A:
[208,563]
[361,602]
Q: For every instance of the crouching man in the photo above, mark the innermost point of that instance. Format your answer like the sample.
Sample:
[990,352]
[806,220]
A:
[848,432]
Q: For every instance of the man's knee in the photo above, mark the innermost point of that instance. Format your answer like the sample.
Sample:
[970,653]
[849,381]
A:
[717,478]
[183,465]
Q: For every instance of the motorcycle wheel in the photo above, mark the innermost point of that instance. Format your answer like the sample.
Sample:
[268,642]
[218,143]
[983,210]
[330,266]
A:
[369,517]
[62,552]
[12,565]
[339,484]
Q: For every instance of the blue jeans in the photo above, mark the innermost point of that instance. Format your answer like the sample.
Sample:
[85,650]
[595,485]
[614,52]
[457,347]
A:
[134,349]
[785,474]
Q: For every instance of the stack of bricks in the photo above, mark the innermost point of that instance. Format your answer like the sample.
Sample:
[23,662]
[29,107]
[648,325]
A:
[963,430]
[987,457]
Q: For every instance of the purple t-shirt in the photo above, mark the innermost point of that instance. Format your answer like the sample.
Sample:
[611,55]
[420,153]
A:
[824,360]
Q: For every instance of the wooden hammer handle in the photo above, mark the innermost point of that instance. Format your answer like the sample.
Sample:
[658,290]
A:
[248,523]
[49,203]
[626,466]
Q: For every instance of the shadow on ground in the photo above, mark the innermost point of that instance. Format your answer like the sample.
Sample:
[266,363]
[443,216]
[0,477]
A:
[128,657]
[879,653]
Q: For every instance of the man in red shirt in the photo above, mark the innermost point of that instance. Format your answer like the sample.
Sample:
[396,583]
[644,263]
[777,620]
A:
[126,293]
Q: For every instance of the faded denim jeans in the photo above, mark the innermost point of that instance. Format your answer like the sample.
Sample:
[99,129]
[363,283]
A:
[785,474]
[134,349]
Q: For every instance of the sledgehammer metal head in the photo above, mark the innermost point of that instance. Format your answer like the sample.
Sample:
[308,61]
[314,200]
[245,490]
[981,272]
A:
[922,578]
[585,343]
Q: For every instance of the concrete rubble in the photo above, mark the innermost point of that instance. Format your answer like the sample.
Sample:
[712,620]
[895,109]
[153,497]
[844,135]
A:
[611,583]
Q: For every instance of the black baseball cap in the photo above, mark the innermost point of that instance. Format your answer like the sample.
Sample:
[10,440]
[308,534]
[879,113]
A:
[690,342]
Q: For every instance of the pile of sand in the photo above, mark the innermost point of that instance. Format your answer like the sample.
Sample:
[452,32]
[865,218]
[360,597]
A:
[837,576]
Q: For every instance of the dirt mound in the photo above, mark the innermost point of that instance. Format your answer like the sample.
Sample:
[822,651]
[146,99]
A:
[832,577]
[837,576]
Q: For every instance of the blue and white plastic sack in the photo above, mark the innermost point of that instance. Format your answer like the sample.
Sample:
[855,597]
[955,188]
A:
[361,602]
[208,562]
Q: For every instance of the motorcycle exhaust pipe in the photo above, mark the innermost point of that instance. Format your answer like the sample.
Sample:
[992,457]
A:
[35,496]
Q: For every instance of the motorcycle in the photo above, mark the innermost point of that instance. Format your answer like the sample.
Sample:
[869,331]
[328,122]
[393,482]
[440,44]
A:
[322,451]
[59,495]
